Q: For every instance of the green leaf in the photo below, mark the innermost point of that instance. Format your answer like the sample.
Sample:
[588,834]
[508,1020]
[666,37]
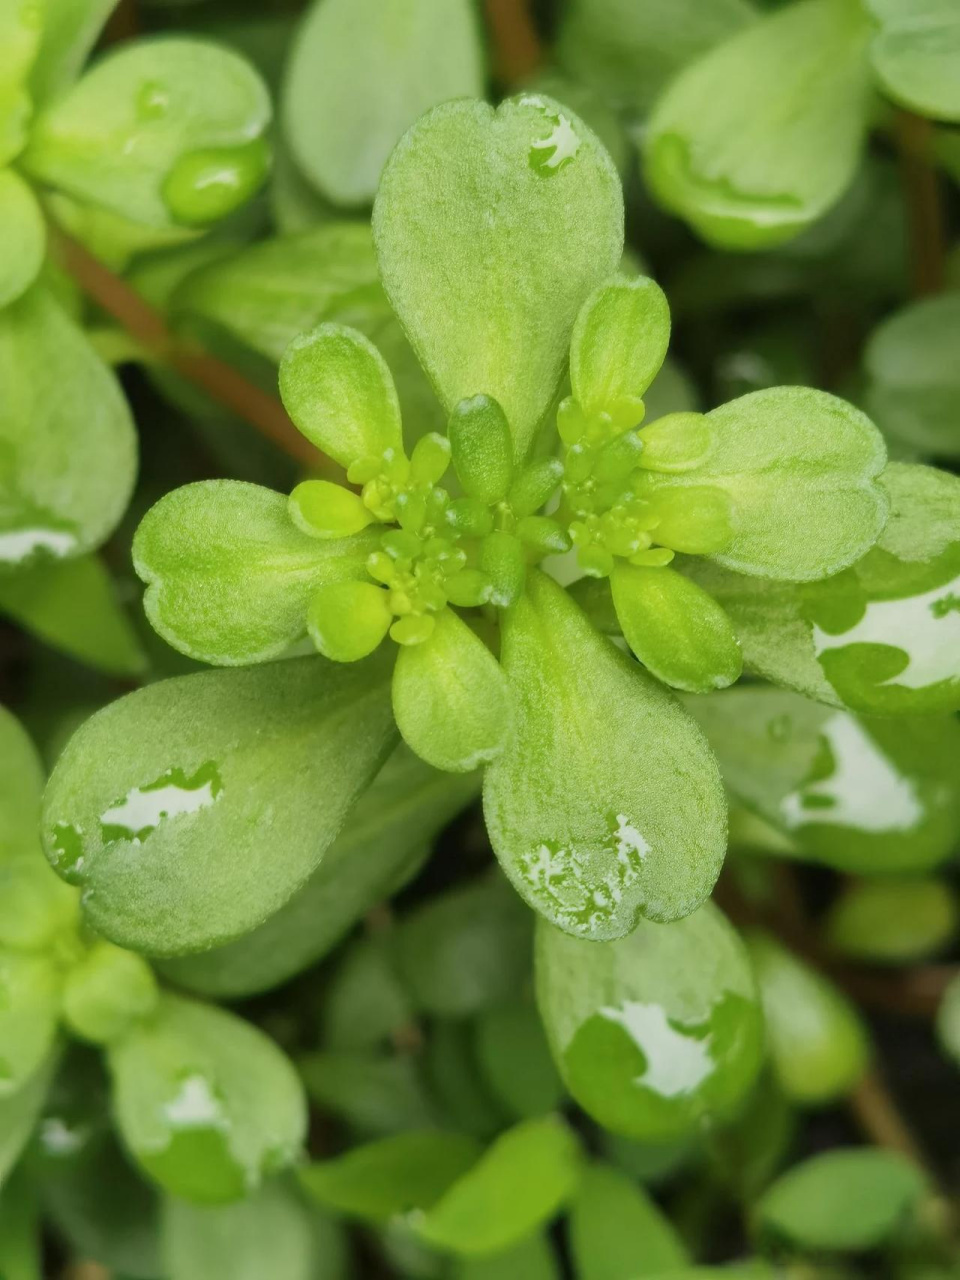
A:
[61,408]
[456,1084]
[863,795]
[816,1040]
[74,606]
[207,1104]
[21,785]
[337,388]
[590,839]
[365,1004]
[192,809]
[21,1239]
[619,342]
[881,638]
[844,1200]
[531,1259]
[450,697]
[161,131]
[518,1184]
[229,575]
[70,30]
[654,1033]
[678,631]
[19,1113]
[384,841]
[617,1232]
[491,229]
[482,449]
[948,1021]
[464,950]
[628,52]
[271,1233]
[761,135]
[30,987]
[913,380]
[37,910]
[106,992]
[395,1175]
[348,620]
[374,69]
[374,1093]
[24,236]
[20,32]
[514,1056]
[893,921]
[800,469]
[915,54]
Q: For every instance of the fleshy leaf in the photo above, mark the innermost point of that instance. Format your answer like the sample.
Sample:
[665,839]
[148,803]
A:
[61,408]
[678,631]
[70,30]
[867,795]
[605,806]
[192,809]
[30,986]
[482,449]
[384,841]
[19,1113]
[347,620]
[617,1230]
[619,343]
[24,236]
[533,1258]
[816,1040]
[21,24]
[161,131]
[842,1200]
[21,785]
[654,1033]
[37,910]
[375,1093]
[107,992]
[915,54]
[337,388]
[761,135]
[882,638]
[450,697]
[948,1021]
[515,1060]
[491,229]
[230,576]
[374,69]
[897,921]
[518,1184]
[207,1104]
[800,468]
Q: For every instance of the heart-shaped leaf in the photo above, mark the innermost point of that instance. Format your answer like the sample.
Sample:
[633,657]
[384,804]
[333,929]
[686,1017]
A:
[191,810]
[915,54]
[61,408]
[160,131]
[654,1033]
[605,805]
[207,1104]
[230,576]
[492,227]
[24,236]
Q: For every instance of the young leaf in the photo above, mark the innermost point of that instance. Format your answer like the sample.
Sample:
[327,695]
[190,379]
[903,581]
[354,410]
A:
[915,54]
[61,408]
[37,910]
[867,795]
[21,785]
[800,468]
[30,986]
[73,605]
[816,1039]
[337,388]
[374,69]
[207,1104]
[761,135]
[843,1200]
[24,236]
[271,1233]
[107,992]
[518,1184]
[654,1033]
[617,1232]
[491,228]
[161,131]
[619,342]
[605,806]
[450,697]
[70,30]
[482,448]
[893,921]
[384,841]
[229,575]
[513,1053]
[19,1113]
[675,628]
[375,1093]
[192,809]
[396,1175]
[531,1259]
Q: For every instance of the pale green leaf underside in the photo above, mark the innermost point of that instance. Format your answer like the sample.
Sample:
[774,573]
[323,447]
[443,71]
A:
[61,409]
[191,810]
[593,840]
[762,134]
[24,236]
[915,54]
[491,229]
[366,71]
[229,576]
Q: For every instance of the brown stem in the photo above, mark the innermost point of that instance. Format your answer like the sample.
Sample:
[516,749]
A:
[152,333]
[515,40]
[876,1111]
[921,183]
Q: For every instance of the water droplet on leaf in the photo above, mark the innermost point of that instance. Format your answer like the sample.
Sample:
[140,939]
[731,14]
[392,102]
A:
[205,185]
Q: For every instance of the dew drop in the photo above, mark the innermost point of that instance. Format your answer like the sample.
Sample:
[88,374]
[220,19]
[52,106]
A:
[548,155]
[203,186]
[137,815]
